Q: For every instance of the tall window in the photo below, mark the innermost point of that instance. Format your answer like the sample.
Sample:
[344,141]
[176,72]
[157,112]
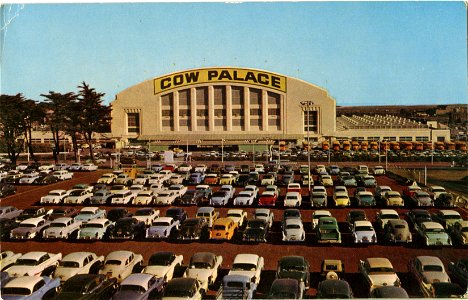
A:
[312,125]
[133,122]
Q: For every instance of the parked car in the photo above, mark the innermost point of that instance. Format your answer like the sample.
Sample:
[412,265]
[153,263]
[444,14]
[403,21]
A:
[176,213]
[421,198]
[447,218]
[117,213]
[236,287]
[327,230]
[332,269]
[418,216]
[256,230]
[293,199]
[30,228]
[62,212]
[334,289]
[378,271]
[294,267]
[204,266]
[389,292]
[211,179]
[63,174]
[89,167]
[365,198]
[393,198]
[317,215]
[78,196]
[397,231]
[459,272]
[238,216]
[146,215]
[89,213]
[427,270]
[163,264]
[459,233]
[9,212]
[7,259]
[87,287]
[127,228]
[33,212]
[341,198]
[183,288]
[95,229]
[264,214]
[6,226]
[285,288]
[162,228]
[384,215]
[220,198]
[62,228]
[193,197]
[30,287]
[293,230]
[433,234]
[250,265]
[78,263]
[145,197]
[268,198]
[444,200]
[193,229]
[120,264]
[208,213]
[363,232]
[140,287]
[107,178]
[355,215]
[101,197]
[166,197]
[35,263]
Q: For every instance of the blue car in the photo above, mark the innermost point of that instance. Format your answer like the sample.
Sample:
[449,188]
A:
[30,287]
[196,178]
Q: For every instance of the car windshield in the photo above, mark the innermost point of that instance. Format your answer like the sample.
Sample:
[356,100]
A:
[25,225]
[219,227]
[91,225]
[55,193]
[367,197]
[243,267]
[293,226]
[432,268]
[58,225]
[159,260]
[178,293]
[364,228]
[161,224]
[200,265]
[26,262]
[234,215]
[86,213]
[377,270]
[434,230]
[16,291]
[69,264]
[292,268]
[143,212]
[132,288]
[113,262]
[464,229]
[451,217]
[389,216]
[76,193]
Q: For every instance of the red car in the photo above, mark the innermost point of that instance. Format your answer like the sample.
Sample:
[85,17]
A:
[211,179]
[408,191]
[268,198]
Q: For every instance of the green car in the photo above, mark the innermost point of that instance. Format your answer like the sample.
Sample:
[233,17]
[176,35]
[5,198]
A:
[328,231]
[433,234]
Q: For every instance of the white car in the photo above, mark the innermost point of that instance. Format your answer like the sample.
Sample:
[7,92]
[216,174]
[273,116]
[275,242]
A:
[162,228]
[123,179]
[30,228]
[34,263]
[30,287]
[141,178]
[250,265]
[427,270]
[384,215]
[46,167]
[107,178]
[120,264]
[157,188]
[144,198]
[316,215]
[293,231]
[95,229]
[259,168]
[244,198]
[254,189]
[265,214]
[9,212]
[54,197]
[89,213]
[89,167]
[78,196]
[435,191]
[293,199]
[229,189]
[28,178]
[63,174]
[61,166]
[7,259]
[184,168]
[204,266]
[122,197]
[380,191]
[201,169]
[146,215]
[238,216]
[363,232]
[61,228]
[163,264]
[178,189]
[378,271]
[165,197]
[78,263]
[378,170]
[268,179]
[75,167]
[136,189]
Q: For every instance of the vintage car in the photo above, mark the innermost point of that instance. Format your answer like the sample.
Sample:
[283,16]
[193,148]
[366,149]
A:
[30,287]
[101,197]
[200,168]
[95,229]
[192,197]
[325,180]
[294,187]
[393,198]
[89,213]
[193,229]
[127,228]
[140,287]
[30,228]
[397,231]
[61,228]
[75,167]
[183,288]
[142,178]
[421,198]
[244,198]
[435,191]
[117,213]
[445,200]
[317,214]
[447,217]
[78,263]
[178,189]
[334,289]
[196,178]
[363,232]
[272,188]
[177,213]
[157,188]
[33,212]
[384,215]
[61,212]
[62,174]
[378,271]
[144,198]
[433,234]
[293,230]
[427,270]
[347,180]
[264,214]
[236,287]
[162,228]
[6,226]
[459,272]
[87,287]
[355,215]
[28,178]
[123,197]
[268,198]
[88,167]
[208,213]
[327,230]
[341,198]
[45,179]
[332,269]
[166,197]
[107,178]
[378,170]
[268,179]
[35,263]
[227,179]
[285,288]
[256,231]
[389,292]
[78,196]
[292,199]
[446,290]
[120,264]
[294,267]
[204,266]
[250,265]
[206,189]
[286,179]
[367,180]
[238,216]
[7,259]
[220,198]
[418,216]
[223,229]
[319,198]
[211,179]
[365,198]
[9,212]
[381,190]
[136,189]
[123,179]
[163,264]
[146,215]
[459,233]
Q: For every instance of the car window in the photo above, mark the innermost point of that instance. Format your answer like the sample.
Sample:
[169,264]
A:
[38,285]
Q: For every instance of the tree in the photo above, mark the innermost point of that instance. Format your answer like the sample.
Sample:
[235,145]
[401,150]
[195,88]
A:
[12,124]
[58,107]
[33,114]
[94,116]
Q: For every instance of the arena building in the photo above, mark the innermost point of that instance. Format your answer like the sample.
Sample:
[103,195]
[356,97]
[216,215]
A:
[238,106]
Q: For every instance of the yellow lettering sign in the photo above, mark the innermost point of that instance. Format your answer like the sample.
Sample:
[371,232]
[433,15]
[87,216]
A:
[200,76]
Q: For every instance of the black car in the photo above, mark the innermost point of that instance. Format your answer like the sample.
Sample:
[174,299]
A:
[117,213]
[46,179]
[459,272]
[286,179]
[294,267]
[192,197]
[419,216]
[334,289]
[355,215]
[32,212]
[7,189]
[256,230]
[177,213]
[6,225]
[128,228]
[444,200]
[285,288]
[244,169]
[389,291]
[193,229]
[243,180]
[87,287]
[447,290]
[99,186]
[183,288]
[61,212]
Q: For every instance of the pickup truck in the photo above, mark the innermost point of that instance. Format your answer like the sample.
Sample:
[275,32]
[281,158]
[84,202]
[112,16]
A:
[236,287]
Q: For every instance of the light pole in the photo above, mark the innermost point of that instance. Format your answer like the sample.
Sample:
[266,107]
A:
[306,106]
[222,152]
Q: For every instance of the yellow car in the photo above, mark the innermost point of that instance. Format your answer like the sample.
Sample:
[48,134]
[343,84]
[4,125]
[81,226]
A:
[223,229]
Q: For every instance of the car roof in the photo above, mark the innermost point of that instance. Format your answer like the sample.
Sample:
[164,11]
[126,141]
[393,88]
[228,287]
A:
[62,220]
[90,208]
[177,284]
[335,287]
[97,221]
[292,260]
[432,225]
[32,220]
[246,258]
[205,209]
[164,219]
[262,210]
[223,221]
[140,279]
[390,291]
[119,254]
[362,223]
[447,212]
[429,260]
[74,256]
[376,262]
[24,282]
[33,255]
[204,257]
[293,221]
[394,222]
[235,211]
[388,212]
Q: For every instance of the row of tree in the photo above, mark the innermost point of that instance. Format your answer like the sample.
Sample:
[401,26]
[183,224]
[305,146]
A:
[76,114]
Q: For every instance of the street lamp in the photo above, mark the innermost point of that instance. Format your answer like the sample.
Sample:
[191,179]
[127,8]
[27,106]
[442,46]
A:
[222,152]
[306,106]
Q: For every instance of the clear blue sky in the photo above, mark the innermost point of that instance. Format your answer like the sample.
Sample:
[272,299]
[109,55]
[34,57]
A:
[363,53]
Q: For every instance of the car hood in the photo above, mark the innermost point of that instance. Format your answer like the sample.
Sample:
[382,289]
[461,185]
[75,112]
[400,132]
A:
[200,274]
[249,274]
[158,271]
[431,277]
[84,218]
